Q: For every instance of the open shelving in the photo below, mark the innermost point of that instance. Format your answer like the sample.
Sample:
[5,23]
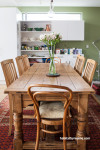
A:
[35,31]
[34,50]
[25,38]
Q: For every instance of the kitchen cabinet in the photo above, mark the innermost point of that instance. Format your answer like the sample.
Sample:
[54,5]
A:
[60,27]
[70,30]
[75,30]
[68,58]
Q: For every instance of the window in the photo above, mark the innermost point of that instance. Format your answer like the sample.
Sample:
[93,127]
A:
[56,16]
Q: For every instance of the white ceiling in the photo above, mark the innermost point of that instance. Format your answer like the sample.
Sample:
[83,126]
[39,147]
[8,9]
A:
[90,3]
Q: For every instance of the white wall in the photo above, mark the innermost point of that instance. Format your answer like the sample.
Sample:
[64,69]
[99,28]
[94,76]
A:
[8,36]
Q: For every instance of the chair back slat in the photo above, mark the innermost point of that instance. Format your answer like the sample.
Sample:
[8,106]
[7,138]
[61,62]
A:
[20,64]
[89,70]
[9,71]
[26,62]
[79,64]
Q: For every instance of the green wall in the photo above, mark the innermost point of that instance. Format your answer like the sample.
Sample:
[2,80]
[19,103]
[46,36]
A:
[91,17]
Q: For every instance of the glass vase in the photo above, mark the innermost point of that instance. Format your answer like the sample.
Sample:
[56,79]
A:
[52,68]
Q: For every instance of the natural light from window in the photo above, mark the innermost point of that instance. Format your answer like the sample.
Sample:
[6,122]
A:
[58,16]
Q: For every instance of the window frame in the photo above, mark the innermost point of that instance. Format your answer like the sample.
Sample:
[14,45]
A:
[24,16]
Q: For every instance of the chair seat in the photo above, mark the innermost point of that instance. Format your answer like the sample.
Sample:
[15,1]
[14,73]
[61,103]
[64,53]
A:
[51,110]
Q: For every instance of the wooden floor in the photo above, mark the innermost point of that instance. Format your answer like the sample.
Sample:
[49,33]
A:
[2,95]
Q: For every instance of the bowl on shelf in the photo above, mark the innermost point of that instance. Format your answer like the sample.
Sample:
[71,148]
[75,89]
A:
[30,29]
[31,39]
[38,29]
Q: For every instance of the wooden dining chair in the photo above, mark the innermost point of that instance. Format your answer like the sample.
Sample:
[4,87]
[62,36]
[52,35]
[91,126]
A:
[10,75]
[51,112]
[79,64]
[88,77]
[20,64]
[56,59]
[26,62]
[89,70]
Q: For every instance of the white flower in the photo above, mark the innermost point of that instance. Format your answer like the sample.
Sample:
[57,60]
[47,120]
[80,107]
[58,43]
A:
[54,37]
[60,36]
[41,37]
[50,37]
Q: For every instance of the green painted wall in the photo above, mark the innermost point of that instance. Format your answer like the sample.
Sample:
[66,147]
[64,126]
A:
[91,17]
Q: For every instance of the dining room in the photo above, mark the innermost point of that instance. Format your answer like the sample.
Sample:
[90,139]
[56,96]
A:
[49,75]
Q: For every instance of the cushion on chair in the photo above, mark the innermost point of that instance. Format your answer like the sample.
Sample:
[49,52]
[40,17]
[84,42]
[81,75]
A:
[51,110]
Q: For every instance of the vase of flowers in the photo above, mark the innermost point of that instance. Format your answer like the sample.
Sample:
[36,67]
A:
[51,40]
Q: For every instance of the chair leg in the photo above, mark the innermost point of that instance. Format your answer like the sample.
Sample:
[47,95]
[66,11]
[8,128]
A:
[64,136]
[37,136]
[44,134]
[41,133]
[11,115]
[68,131]
[68,127]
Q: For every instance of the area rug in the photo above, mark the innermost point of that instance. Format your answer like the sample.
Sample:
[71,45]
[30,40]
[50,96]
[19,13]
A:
[29,126]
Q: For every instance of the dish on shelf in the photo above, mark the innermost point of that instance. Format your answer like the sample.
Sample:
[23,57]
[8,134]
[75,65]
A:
[31,39]
[30,29]
[24,39]
[38,29]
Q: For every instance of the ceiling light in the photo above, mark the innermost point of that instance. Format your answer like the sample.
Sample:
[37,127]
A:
[51,12]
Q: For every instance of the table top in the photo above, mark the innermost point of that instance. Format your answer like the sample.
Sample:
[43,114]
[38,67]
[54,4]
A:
[36,74]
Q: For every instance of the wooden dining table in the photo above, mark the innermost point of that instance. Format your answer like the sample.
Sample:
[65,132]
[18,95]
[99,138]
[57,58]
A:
[36,74]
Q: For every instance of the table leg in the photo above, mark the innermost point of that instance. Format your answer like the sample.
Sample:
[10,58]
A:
[11,113]
[81,121]
[18,134]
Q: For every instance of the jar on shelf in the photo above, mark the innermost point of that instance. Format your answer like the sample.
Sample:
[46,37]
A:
[40,47]
[24,27]
[48,28]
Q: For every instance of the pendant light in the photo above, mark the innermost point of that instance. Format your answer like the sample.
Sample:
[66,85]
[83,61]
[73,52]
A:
[51,12]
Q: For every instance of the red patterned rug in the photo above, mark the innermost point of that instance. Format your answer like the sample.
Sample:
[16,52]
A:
[29,126]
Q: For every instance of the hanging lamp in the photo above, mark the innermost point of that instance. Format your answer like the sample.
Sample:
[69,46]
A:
[51,12]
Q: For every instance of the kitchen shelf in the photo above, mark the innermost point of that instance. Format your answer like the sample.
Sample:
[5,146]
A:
[31,41]
[34,50]
[26,36]
[35,31]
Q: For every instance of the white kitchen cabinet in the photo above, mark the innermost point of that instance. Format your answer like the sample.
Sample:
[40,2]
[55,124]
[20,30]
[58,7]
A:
[70,30]
[62,57]
[69,58]
[60,27]
[75,30]
[8,35]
